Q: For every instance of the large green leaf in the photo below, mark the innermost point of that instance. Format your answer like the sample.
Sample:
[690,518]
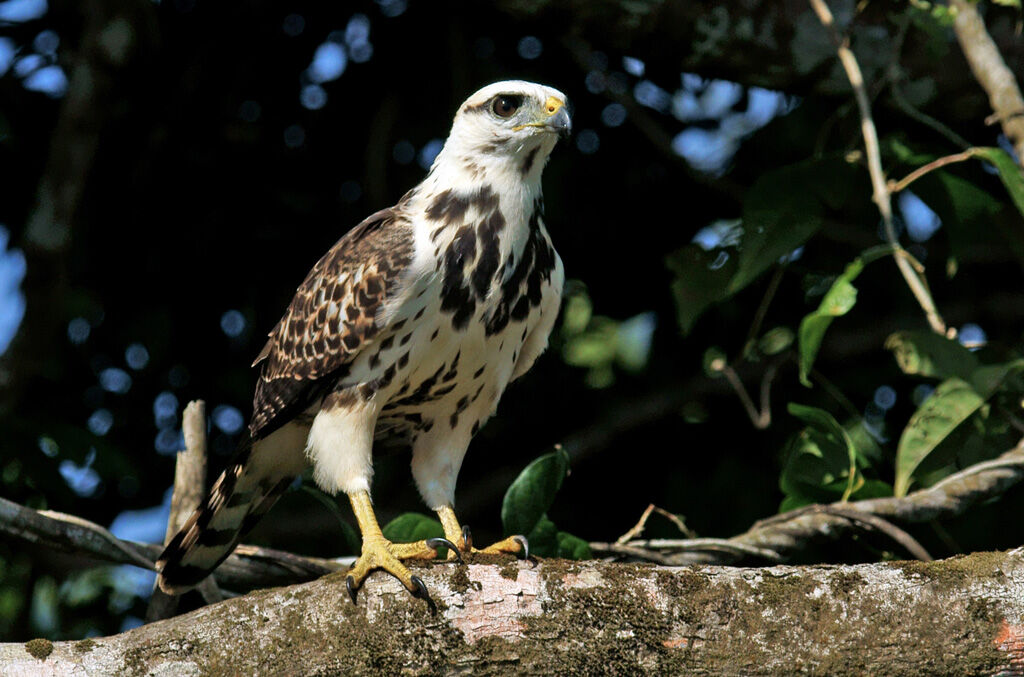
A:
[925,353]
[952,403]
[700,279]
[821,465]
[1009,172]
[781,211]
[412,526]
[547,541]
[533,492]
[838,301]
[543,538]
[573,547]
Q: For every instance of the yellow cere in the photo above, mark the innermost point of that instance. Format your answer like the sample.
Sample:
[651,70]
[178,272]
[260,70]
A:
[551,106]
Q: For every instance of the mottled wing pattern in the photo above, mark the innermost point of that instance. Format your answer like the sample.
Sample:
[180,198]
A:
[334,316]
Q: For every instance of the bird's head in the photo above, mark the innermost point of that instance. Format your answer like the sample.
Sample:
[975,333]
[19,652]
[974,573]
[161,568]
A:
[511,125]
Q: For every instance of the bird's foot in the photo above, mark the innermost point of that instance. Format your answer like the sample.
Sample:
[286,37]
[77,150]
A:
[513,545]
[380,553]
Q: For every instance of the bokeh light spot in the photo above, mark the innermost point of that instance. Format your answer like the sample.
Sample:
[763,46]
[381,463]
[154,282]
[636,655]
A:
[293,25]
[232,323]
[100,422]
[228,419]
[115,380]
[613,115]
[136,356]
[587,141]
[530,47]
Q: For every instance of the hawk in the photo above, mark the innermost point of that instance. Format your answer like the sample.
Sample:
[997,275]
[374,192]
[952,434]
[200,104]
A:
[410,327]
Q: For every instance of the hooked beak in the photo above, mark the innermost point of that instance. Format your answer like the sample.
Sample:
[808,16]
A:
[554,118]
[560,123]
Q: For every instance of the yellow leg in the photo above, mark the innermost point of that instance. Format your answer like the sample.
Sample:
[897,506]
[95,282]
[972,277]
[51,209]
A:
[380,553]
[455,533]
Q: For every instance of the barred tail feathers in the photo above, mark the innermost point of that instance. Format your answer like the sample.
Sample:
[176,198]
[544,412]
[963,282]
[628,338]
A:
[246,490]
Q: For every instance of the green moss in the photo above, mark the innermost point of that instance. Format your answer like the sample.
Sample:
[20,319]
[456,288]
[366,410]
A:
[85,646]
[509,570]
[39,648]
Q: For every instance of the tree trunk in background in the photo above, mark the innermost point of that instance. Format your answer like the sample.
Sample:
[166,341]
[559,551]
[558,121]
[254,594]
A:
[958,616]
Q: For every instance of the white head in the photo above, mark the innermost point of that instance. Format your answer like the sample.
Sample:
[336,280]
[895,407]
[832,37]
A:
[507,129]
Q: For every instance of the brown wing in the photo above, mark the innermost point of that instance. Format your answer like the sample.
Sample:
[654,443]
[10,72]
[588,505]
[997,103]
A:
[333,316]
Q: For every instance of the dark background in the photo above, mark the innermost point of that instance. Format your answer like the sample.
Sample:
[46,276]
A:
[196,189]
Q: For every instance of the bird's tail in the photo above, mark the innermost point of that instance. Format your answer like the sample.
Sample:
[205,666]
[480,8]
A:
[246,490]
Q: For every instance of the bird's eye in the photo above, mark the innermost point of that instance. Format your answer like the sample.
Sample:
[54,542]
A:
[506,105]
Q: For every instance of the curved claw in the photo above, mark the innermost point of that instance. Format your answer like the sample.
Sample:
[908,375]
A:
[521,540]
[467,538]
[436,543]
[350,583]
[421,592]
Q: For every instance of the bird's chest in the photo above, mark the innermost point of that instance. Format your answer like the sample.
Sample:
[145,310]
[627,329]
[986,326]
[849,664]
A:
[479,306]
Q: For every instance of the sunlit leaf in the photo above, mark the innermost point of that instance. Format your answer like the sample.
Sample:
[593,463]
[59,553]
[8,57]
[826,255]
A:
[532,493]
[952,403]
[838,301]
[925,353]
[1010,173]
[593,347]
[776,340]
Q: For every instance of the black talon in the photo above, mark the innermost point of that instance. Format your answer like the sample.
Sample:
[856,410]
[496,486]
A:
[436,543]
[467,538]
[421,593]
[350,583]
[521,540]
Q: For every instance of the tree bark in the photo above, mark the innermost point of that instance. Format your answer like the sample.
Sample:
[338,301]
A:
[963,615]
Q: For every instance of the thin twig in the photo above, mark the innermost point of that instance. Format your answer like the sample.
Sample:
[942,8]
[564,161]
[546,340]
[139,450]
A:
[897,186]
[641,524]
[880,193]
[756,417]
[762,309]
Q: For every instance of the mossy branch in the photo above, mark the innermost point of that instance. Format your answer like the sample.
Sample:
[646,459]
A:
[958,616]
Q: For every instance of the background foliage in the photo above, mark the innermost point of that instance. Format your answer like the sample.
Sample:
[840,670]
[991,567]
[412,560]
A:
[713,210]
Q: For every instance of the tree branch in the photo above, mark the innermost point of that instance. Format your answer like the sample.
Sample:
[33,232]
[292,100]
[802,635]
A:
[991,72]
[958,616]
[778,538]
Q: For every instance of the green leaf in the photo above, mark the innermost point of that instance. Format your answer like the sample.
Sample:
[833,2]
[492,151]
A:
[952,403]
[821,463]
[410,527]
[781,211]
[532,493]
[925,353]
[988,378]
[573,547]
[838,301]
[775,340]
[1009,172]
[700,279]
[594,347]
[543,538]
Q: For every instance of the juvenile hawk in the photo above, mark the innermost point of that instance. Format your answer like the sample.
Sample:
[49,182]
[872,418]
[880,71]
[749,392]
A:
[412,325]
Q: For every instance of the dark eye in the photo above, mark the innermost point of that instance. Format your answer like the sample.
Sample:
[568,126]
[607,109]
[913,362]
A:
[506,105]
